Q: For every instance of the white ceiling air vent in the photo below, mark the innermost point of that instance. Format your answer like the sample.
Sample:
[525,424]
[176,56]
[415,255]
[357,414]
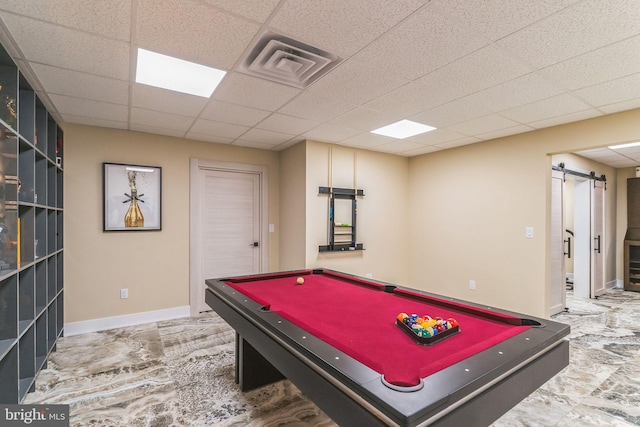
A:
[284,60]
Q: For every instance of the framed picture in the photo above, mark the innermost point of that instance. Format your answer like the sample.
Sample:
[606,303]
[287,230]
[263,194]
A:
[132,197]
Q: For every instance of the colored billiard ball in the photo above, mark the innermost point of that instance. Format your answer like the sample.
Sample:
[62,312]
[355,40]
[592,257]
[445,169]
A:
[299,280]
[453,322]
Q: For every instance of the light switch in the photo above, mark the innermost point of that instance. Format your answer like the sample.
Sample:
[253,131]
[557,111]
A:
[528,232]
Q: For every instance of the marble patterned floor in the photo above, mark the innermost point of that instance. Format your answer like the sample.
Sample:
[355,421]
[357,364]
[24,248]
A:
[181,373]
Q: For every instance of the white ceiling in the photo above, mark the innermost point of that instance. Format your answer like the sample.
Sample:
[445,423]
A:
[476,69]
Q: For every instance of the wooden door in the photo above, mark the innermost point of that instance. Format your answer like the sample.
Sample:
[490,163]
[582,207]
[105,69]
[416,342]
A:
[227,236]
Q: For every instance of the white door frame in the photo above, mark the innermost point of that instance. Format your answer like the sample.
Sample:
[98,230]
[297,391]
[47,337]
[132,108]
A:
[194,188]
[557,296]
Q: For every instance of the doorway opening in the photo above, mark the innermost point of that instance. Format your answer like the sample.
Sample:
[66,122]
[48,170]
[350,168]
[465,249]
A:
[578,225]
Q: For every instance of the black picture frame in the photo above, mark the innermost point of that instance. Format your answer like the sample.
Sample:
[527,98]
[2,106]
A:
[132,197]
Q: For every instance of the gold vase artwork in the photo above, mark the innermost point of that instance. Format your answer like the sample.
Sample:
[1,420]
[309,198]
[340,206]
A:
[133,217]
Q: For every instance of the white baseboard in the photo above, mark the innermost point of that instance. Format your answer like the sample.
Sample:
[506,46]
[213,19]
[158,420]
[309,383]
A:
[616,283]
[105,323]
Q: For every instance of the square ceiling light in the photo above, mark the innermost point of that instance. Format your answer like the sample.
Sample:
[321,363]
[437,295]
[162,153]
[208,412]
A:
[167,72]
[403,129]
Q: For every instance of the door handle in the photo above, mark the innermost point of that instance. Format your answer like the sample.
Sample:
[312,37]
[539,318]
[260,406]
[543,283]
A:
[568,242]
[598,247]
[255,244]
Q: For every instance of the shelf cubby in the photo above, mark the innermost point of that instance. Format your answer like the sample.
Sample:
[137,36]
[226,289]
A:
[27,362]
[52,278]
[26,299]
[41,287]
[31,240]
[9,376]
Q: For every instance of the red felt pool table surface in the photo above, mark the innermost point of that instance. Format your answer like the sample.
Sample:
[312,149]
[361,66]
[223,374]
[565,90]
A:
[358,318]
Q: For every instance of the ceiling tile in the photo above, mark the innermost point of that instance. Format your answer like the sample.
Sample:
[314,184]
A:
[99,122]
[548,108]
[399,146]
[168,101]
[331,133]
[254,144]
[408,100]
[597,66]
[458,142]
[107,18]
[209,138]
[355,83]
[365,119]
[580,28]
[167,121]
[437,136]
[74,50]
[499,133]
[569,118]
[156,130]
[213,38]
[225,130]
[496,19]
[286,124]
[367,140]
[340,27]
[516,92]
[423,43]
[617,107]
[450,113]
[311,106]
[67,105]
[81,85]
[252,92]
[612,92]
[266,136]
[479,70]
[251,9]
[492,122]
[236,114]
[425,149]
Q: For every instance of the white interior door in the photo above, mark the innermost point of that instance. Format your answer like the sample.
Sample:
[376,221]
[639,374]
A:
[597,239]
[583,247]
[227,233]
[558,274]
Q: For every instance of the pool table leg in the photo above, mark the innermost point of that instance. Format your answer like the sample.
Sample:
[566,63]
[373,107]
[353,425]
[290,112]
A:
[253,370]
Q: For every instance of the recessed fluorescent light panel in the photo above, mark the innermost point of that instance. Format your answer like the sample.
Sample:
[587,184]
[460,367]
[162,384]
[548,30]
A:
[167,72]
[629,145]
[403,129]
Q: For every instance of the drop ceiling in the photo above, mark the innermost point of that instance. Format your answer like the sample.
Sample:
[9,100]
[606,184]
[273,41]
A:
[475,69]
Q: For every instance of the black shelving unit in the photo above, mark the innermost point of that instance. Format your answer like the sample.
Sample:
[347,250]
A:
[342,235]
[31,246]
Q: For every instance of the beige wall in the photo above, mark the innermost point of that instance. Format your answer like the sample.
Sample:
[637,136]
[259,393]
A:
[433,222]
[469,208]
[293,210]
[154,266]
[381,214]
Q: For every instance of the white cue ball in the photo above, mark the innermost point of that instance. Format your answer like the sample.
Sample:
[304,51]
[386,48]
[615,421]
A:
[300,280]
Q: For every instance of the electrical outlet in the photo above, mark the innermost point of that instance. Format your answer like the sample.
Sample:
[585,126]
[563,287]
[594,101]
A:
[472,285]
[124,293]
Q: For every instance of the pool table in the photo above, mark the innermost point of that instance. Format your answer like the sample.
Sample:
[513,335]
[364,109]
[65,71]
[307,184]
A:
[335,336]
